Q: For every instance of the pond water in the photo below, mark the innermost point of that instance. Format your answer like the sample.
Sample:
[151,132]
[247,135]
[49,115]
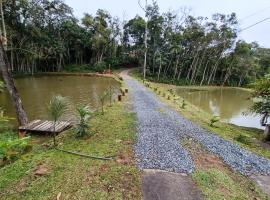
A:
[228,103]
[36,93]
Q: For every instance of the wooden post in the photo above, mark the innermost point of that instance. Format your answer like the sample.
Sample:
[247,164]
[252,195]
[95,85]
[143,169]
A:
[22,134]
[267,132]
[119,97]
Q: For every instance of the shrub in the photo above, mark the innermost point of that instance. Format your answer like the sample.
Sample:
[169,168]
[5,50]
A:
[183,106]
[214,120]
[84,114]
[243,139]
[100,67]
[11,149]
[78,68]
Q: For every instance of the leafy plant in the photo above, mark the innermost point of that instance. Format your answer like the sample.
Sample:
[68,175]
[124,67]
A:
[111,91]
[261,102]
[57,108]
[11,149]
[214,120]
[100,67]
[243,139]
[82,128]
[183,106]
[102,99]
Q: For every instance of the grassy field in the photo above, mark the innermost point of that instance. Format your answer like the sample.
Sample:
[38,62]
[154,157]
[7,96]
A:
[45,173]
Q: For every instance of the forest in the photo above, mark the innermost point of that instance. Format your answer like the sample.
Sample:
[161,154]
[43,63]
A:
[179,48]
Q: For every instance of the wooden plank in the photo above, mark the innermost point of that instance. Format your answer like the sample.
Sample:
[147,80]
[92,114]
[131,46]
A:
[38,128]
[29,125]
[46,126]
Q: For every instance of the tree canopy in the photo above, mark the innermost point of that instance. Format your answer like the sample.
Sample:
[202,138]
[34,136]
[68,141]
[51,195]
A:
[181,49]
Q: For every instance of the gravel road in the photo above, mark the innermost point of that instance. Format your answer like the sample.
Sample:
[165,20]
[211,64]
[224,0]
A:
[161,129]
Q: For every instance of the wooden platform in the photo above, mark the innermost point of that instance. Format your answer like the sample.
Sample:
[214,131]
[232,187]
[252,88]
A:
[40,126]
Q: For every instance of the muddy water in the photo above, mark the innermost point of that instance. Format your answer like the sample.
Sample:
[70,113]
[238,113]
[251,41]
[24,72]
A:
[228,103]
[37,91]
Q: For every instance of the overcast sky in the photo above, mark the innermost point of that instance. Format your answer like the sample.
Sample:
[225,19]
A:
[259,9]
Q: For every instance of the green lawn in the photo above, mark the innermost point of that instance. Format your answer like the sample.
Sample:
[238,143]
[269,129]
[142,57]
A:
[74,177]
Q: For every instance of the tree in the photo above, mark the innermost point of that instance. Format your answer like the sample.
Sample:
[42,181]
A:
[4,67]
[261,102]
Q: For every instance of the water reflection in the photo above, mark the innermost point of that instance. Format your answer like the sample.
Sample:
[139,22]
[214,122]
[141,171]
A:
[228,103]
[36,92]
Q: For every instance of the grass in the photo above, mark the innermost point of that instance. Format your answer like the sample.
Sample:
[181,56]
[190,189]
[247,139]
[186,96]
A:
[75,177]
[249,138]
[216,184]
[216,180]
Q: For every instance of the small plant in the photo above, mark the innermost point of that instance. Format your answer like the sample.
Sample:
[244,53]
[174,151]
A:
[214,120]
[184,104]
[243,139]
[159,92]
[155,89]
[170,91]
[11,149]
[84,114]
[175,99]
[169,97]
[164,94]
[102,99]
[110,94]
[57,108]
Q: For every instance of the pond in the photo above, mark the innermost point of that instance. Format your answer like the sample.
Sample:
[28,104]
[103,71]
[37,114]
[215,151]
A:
[228,103]
[36,93]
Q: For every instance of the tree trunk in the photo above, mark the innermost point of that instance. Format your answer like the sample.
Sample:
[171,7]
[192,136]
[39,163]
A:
[4,65]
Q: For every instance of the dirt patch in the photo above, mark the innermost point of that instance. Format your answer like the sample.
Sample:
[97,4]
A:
[41,170]
[203,159]
[123,159]
[168,186]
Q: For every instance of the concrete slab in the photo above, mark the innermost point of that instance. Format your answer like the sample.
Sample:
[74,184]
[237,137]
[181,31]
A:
[161,185]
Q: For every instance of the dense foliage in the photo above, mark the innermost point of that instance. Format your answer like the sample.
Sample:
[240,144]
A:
[261,99]
[10,146]
[45,36]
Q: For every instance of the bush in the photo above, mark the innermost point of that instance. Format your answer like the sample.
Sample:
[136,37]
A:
[243,139]
[11,149]
[78,68]
[214,120]
[100,67]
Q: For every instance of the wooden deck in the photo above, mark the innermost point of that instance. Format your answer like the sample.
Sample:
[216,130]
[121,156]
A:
[40,126]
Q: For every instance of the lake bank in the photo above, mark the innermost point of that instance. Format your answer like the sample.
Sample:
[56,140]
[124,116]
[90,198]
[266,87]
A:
[249,138]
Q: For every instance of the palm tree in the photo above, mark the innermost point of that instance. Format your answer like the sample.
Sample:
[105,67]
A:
[57,107]
[84,113]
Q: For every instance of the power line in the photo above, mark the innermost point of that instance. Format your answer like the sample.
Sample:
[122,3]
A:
[259,22]
[253,14]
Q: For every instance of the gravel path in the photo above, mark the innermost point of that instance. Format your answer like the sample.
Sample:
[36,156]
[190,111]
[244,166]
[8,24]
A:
[161,129]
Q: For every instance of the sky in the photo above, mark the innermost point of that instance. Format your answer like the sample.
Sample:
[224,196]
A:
[251,11]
